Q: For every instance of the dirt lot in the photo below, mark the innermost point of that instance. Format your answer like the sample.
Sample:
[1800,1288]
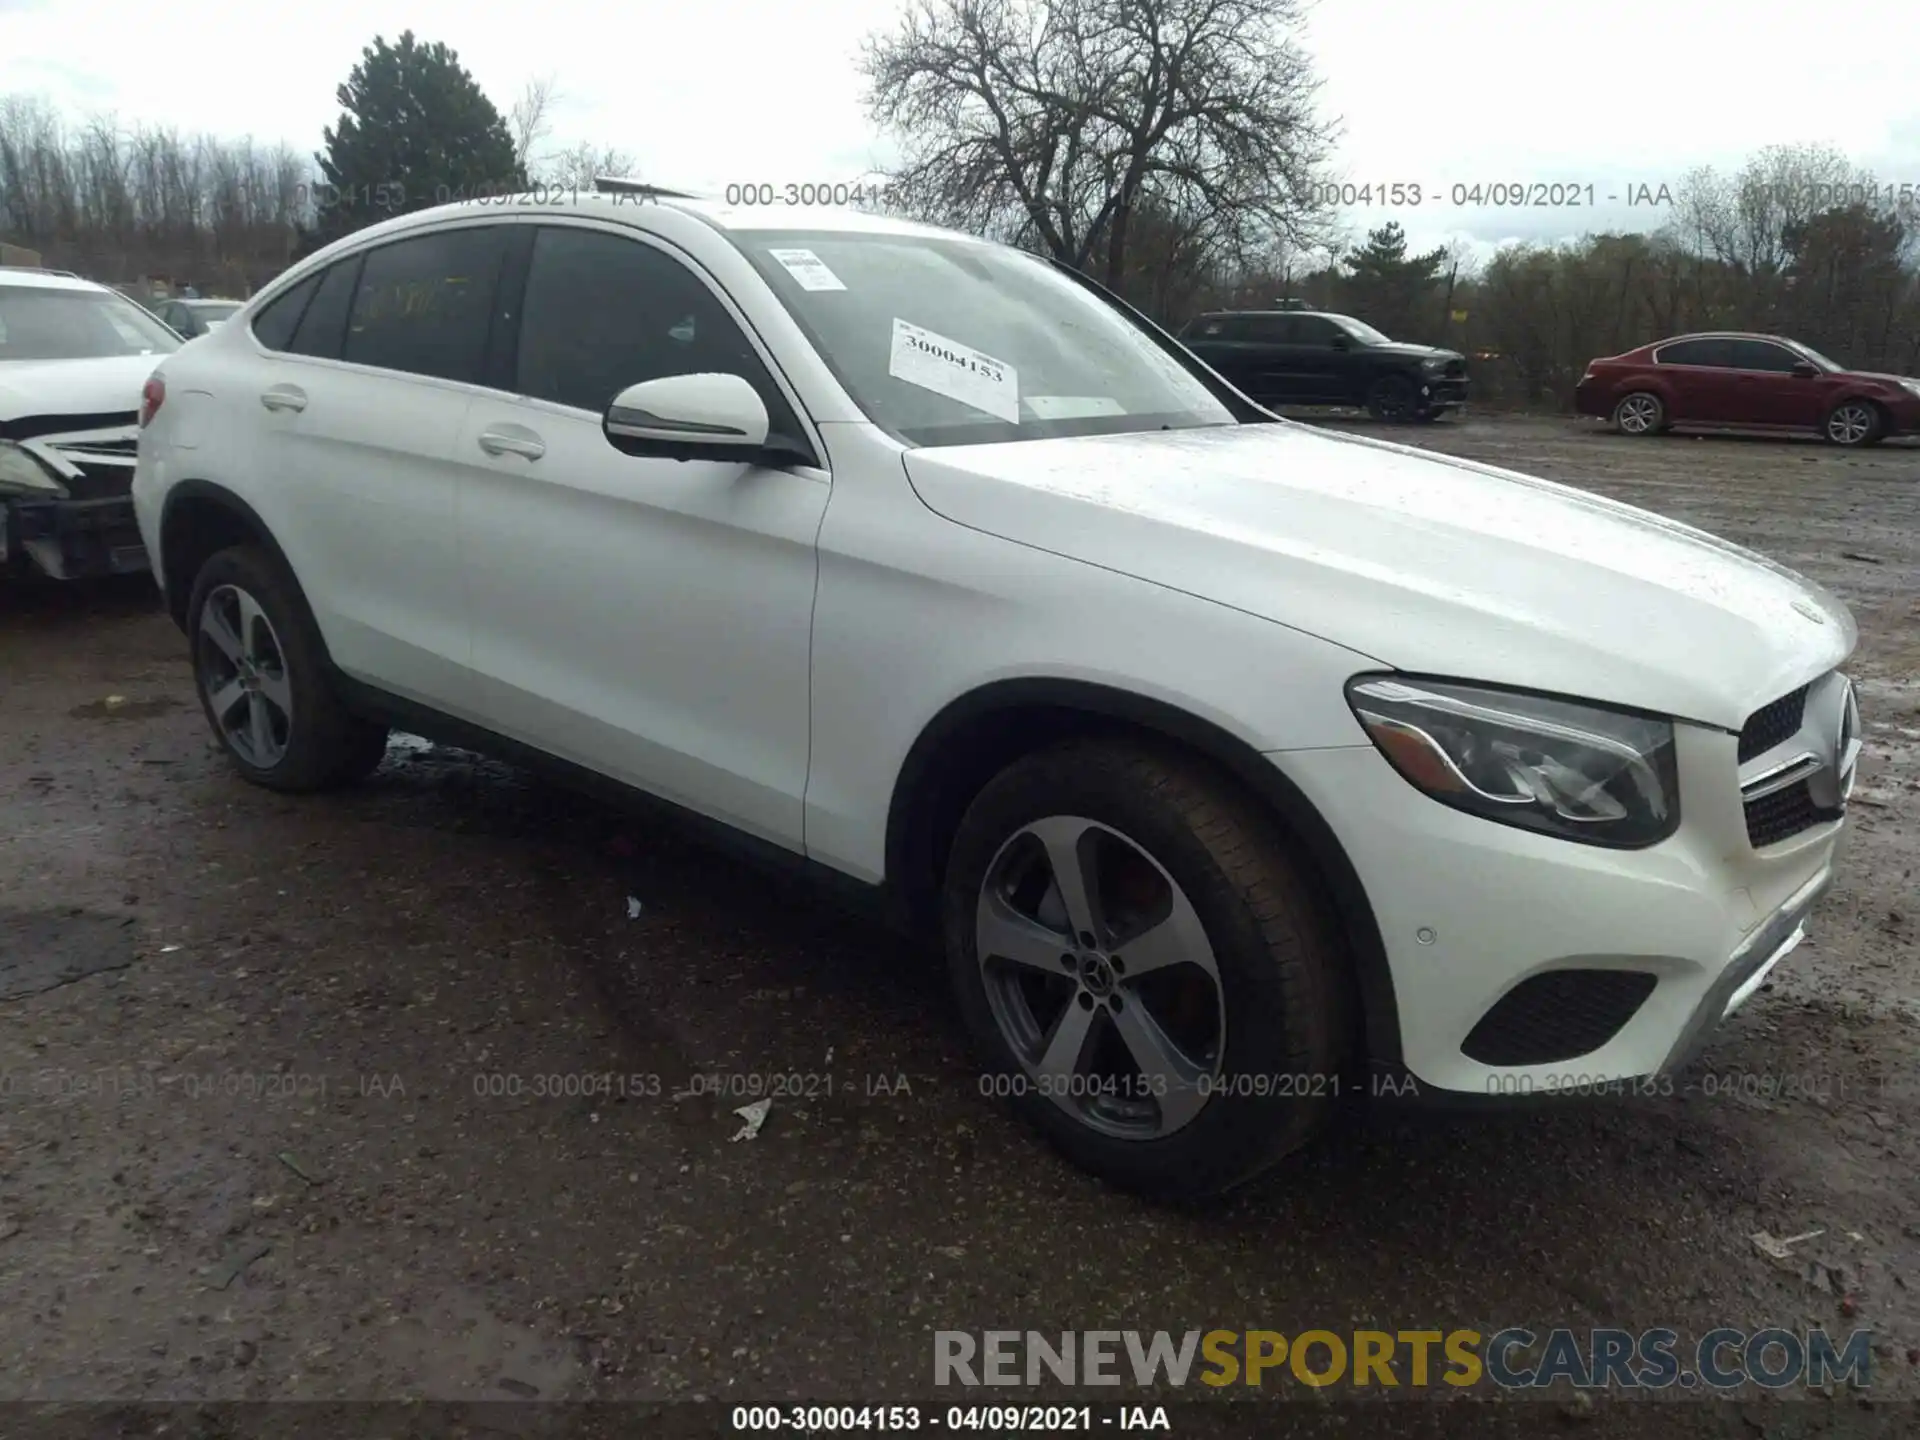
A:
[278,1119]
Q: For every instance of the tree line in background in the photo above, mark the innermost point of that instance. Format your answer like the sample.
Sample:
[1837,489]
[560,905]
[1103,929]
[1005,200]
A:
[124,204]
[1171,148]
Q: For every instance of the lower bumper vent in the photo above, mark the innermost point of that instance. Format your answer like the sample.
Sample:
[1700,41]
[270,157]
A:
[1557,1015]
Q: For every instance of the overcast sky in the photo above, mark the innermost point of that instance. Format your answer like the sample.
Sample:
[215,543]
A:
[714,92]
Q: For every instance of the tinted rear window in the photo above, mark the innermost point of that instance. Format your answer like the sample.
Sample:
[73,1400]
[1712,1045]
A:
[423,305]
[273,327]
[1692,352]
[324,326]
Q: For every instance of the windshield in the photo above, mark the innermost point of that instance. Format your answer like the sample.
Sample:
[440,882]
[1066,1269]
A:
[956,342]
[1817,358]
[49,324]
[1360,330]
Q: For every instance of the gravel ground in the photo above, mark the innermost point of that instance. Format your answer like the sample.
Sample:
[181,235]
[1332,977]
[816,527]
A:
[294,1106]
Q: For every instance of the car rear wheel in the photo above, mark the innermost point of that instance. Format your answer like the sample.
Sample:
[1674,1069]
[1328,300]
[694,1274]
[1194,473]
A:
[1640,414]
[1391,399]
[257,662]
[1143,968]
[1853,422]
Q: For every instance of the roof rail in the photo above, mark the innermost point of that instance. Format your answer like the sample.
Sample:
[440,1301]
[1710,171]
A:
[620,185]
[42,270]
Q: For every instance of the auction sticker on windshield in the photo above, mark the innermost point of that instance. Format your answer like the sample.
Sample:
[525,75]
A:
[959,372]
[808,268]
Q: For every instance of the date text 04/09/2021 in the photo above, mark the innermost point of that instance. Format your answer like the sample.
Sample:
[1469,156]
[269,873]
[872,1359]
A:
[1499,194]
[988,1419]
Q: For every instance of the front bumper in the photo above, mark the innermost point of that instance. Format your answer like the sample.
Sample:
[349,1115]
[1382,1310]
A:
[1441,392]
[1475,916]
[72,539]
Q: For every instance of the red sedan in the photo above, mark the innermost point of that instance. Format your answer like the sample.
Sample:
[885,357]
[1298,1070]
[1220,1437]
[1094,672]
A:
[1746,382]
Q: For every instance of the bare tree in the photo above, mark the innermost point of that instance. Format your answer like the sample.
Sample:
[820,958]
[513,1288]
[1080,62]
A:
[1060,126]
[577,166]
[530,121]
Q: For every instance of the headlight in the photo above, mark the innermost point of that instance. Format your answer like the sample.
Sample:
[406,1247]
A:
[1434,362]
[1603,777]
[21,473]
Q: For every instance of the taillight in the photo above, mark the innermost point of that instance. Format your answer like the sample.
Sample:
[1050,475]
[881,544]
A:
[152,396]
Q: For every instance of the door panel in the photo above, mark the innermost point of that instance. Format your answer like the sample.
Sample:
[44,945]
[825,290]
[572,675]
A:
[647,618]
[1698,385]
[362,452]
[365,477]
[1763,390]
[650,619]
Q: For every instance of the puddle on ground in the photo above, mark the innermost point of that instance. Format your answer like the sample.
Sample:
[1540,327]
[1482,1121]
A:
[119,707]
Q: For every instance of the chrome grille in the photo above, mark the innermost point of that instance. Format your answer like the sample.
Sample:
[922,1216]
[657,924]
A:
[1797,757]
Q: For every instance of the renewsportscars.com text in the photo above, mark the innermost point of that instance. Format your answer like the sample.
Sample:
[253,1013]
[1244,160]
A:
[1512,1359]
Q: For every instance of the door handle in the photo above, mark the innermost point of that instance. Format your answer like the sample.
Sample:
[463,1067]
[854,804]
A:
[528,446]
[284,397]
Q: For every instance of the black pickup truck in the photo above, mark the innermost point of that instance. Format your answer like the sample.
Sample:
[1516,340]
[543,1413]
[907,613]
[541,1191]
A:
[1307,357]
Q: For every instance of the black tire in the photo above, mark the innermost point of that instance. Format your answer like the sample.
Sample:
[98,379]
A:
[1392,398]
[1841,425]
[1640,414]
[1285,991]
[325,745]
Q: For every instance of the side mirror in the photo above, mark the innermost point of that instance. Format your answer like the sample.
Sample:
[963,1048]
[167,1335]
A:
[689,417]
[1805,369]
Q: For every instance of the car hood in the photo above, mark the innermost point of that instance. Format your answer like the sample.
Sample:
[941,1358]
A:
[1422,562]
[46,397]
[1409,349]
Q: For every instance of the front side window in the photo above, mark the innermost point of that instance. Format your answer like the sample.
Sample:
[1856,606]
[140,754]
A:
[1273,329]
[44,323]
[423,305]
[603,312]
[1318,330]
[1760,355]
[946,341]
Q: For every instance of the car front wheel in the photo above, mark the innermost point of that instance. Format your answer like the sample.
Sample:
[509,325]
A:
[1640,414]
[257,662]
[1391,399]
[1853,422]
[1143,968]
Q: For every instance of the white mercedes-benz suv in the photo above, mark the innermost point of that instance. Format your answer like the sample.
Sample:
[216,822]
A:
[1238,766]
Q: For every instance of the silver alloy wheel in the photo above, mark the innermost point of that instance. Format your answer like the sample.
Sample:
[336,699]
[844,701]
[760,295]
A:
[1637,414]
[1101,978]
[1850,424]
[243,674]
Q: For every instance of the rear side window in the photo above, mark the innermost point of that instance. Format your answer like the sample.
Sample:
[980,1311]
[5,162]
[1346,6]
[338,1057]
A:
[1692,352]
[603,312]
[273,327]
[324,327]
[423,305]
